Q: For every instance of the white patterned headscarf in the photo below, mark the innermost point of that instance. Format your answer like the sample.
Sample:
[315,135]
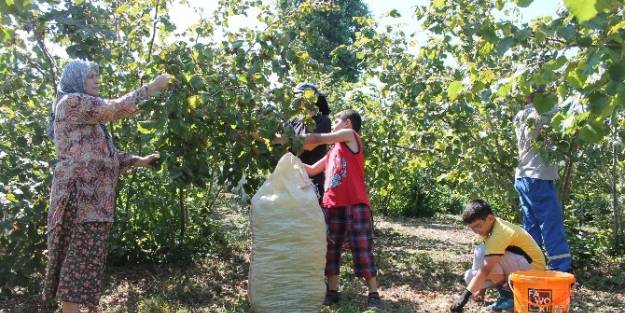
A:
[73,81]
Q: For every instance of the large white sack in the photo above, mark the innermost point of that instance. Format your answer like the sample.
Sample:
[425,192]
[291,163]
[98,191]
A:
[288,243]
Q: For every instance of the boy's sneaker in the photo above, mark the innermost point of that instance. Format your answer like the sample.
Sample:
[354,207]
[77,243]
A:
[373,301]
[503,304]
[505,301]
[332,297]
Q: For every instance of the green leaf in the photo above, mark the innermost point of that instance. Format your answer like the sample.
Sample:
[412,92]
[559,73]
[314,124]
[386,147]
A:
[568,32]
[145,127]
[588,134]
[504,45]
[309,94]
[487,76]
[617,72]
[613,100]
[562,91]
[237,44]
[362,41]
[608,5]
[192,101]
[584,42]
[504,90]
[556,64]
[394,13]
[454,90]
[583,10]
[6,34]
[523,34]
[568,126]
[593,60]
[598,103]
[196,82]
[619,99]
[499,4]
[576,80]
[488,33]
[609,109]
[593,132]
[303,56]
[523,3]
[544,102]
[557,119]
[438,4]
[616,28]
[11,197]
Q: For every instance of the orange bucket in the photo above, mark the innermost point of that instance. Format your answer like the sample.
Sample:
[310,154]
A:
[541,291]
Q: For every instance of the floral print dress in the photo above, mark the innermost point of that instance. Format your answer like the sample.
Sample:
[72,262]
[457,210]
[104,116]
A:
[82,196]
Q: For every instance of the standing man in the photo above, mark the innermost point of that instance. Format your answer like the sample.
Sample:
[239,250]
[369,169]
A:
[534,181]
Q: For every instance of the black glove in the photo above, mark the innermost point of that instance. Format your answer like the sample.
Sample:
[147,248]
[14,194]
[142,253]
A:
[460,302]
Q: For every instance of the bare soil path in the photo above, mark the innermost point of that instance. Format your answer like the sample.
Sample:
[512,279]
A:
[421,265]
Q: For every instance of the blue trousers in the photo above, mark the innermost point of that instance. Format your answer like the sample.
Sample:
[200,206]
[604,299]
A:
[544,221]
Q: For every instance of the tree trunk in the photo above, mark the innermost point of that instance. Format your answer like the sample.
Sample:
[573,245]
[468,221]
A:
[565,187]
[183,214]
[518,212]
[617,225]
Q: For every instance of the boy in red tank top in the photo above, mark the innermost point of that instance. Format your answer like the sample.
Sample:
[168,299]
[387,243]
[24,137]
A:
[346,203]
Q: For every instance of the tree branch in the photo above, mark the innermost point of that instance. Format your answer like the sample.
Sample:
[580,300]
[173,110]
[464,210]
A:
[51,64]
[570,44]
[154,26]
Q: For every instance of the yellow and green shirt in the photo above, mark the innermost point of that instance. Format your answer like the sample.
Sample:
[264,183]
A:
[506,236]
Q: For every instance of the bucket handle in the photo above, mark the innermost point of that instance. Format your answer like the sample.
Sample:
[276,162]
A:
[536,304]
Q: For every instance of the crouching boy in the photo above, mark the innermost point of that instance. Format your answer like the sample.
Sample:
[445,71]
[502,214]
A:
[503,249]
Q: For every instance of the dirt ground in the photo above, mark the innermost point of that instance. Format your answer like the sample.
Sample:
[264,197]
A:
[421,265]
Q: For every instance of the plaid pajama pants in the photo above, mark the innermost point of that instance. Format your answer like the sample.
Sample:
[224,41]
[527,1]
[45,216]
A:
[355,222]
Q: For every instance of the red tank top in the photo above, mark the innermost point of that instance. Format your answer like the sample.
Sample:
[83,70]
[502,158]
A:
[345,176]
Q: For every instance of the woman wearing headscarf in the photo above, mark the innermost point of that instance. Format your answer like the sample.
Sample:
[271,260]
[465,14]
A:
[82,196]
[322,125]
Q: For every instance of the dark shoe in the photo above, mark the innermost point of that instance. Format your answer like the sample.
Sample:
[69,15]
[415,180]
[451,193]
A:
[373,301]
[501,305]
[332,297]
[505,301]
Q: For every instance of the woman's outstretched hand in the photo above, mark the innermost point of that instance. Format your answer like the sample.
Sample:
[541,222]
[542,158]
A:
[159,84]
[152,160]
